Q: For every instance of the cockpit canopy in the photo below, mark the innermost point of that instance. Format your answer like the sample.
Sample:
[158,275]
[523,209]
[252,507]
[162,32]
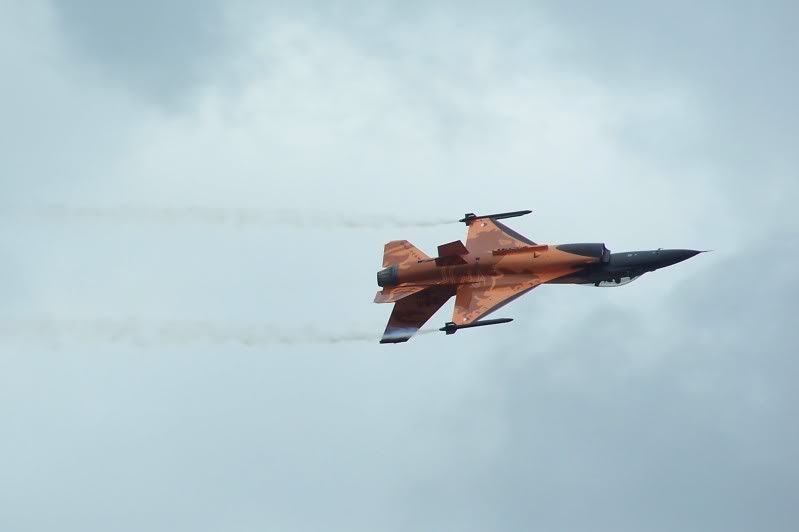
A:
[597,250]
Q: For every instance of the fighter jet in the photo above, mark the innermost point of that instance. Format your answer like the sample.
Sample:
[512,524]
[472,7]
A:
[494,267]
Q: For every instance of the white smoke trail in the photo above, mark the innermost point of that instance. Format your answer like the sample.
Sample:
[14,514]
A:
[58,332]
[215,215]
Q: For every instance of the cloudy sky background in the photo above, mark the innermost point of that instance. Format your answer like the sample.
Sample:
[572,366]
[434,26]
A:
[163,371]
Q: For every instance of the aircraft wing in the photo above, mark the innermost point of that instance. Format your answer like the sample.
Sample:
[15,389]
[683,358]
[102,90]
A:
[413,311]
[475,301]
[486,235]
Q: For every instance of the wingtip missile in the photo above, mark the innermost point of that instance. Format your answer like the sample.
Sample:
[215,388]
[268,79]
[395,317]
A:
[452,327]
[470,216]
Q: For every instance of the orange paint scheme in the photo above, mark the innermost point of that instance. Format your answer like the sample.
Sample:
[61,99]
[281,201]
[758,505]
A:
[494,267]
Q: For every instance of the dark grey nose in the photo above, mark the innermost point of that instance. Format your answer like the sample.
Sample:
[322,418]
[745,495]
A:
[673,256]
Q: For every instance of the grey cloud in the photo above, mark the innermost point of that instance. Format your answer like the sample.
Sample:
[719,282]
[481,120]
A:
[737,56]
[681,418]
[643,415]
[161,50]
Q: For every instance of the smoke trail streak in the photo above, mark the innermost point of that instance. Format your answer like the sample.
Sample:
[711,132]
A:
[137,333]
[221,216]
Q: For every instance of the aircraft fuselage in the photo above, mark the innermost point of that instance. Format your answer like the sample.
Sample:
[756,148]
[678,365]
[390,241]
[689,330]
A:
[561,264]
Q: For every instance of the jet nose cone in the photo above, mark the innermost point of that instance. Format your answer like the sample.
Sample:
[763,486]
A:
[673,256]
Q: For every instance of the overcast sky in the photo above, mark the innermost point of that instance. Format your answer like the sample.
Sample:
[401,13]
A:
[194,198]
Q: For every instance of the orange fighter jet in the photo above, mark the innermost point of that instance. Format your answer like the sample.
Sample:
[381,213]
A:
[496,266]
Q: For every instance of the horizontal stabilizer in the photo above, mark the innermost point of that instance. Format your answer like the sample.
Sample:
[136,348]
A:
[395,293]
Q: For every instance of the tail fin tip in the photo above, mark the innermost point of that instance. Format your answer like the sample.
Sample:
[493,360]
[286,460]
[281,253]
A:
[402,251]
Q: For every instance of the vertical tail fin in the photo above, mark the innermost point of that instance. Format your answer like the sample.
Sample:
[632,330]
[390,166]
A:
[401,251]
